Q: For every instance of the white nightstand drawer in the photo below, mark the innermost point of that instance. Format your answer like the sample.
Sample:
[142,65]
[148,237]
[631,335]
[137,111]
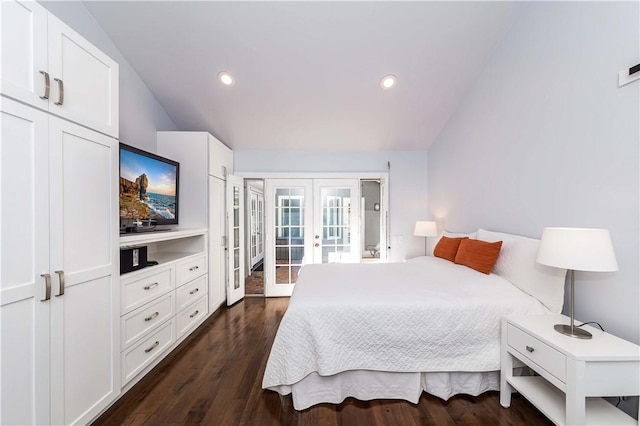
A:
[137,323]
[191,291]
[537,351]
[137,293]
[192,314]
[190,269]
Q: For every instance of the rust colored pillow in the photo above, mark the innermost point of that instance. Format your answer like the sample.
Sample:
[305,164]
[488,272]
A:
[479,255]
[448,247]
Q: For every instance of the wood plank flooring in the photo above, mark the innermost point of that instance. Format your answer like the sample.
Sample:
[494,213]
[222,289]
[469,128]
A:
[214,378]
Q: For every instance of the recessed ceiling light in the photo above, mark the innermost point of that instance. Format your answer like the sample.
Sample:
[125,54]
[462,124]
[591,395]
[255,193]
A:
[388,81]
[226,79]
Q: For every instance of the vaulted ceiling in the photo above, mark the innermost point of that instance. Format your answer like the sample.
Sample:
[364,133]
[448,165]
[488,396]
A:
[307,74]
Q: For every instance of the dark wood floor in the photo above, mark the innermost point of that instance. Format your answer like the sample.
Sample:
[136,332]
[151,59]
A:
[214,378]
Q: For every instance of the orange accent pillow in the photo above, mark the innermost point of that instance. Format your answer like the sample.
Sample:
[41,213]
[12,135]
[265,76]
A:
[479,255]
[448,247]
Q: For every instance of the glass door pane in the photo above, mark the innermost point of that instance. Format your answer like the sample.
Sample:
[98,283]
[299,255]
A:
[337,225]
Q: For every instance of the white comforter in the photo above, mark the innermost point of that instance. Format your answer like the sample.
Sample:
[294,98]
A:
[427,314]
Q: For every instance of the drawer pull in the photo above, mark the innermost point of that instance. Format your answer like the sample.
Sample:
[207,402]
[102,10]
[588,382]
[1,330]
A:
[150,286]
[193,268]
[194,291]
[194,314]
[529,349]
[152,347]
[152,316]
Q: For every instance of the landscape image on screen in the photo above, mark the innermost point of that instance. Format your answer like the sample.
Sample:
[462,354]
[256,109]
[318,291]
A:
[147,188]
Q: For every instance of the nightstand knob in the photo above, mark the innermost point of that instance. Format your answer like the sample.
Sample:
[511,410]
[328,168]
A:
[530,349]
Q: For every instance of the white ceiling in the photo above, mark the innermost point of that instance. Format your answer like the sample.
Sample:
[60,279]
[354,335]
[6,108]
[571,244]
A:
[308,73]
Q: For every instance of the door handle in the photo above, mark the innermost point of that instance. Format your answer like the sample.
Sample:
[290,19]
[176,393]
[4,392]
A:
[317,244]
[61,278]
[47,86]
[60,91]
[47,287]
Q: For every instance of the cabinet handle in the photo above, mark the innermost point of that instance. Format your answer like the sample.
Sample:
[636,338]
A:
[61,278]
[150,286]
[530,349]
[60,91]
[193,268]
[194,291]
[194,314]
[152,316]
[146,351]
[47,287]
[47,85]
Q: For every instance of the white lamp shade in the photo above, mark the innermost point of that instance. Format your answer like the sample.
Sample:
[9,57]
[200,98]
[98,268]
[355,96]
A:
[580,249]
[425,229]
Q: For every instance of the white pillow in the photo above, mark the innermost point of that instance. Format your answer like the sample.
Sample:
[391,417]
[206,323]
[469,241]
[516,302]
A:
[433,241]
[517,264]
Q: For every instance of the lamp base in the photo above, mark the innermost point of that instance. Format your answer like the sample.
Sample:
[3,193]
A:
[578,333]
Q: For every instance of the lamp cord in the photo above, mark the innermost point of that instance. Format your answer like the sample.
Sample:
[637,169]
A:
[590,322]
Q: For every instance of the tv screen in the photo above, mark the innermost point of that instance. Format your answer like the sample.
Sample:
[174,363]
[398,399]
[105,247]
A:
[148,188]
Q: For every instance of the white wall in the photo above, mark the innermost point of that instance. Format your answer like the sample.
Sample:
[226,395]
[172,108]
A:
[140,113]
[407,191]
[545,137]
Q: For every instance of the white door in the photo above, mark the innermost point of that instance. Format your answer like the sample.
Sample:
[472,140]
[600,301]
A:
[217,243]
[85,323]
[336,229]
[235,236]
[288,206]
[256,225]
[24,69]
[84,81]
[24,258]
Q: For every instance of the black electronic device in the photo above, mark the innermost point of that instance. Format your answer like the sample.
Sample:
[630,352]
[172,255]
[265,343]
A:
[149,186]
[133,258]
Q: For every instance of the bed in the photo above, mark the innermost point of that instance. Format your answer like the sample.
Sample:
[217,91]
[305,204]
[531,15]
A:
[396,330]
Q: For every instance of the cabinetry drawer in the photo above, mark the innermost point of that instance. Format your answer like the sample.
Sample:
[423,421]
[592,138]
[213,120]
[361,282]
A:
[190,269]
[145,318]
[137,293]
[192,314]
[535,350]
[139,356]
[189,292]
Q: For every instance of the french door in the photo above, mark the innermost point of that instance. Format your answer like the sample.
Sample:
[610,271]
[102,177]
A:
[336,224]
[289,243]
[308,221]
[256,227]
[235,235]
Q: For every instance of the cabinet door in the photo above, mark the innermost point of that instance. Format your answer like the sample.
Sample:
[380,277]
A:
[220,159]
[84,81]
[24,51]
[85,332]
[217,243]
[24,236]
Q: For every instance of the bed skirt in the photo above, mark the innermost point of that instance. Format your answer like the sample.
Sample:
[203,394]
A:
[367,385]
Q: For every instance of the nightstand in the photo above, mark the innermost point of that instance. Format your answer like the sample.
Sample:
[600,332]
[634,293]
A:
[572,373]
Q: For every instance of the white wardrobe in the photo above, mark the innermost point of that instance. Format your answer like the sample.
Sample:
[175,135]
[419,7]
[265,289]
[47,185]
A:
[205,163]
[59,290]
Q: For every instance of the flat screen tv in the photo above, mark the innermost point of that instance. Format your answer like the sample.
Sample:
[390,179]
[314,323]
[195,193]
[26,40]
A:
[149,187]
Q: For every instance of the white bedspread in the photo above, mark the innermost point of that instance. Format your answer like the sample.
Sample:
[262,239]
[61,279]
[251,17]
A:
[427,314]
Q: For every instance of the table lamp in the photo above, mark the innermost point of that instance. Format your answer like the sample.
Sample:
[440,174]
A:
[576,249]
[425,229]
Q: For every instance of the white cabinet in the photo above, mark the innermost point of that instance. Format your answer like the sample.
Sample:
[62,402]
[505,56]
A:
[220,158]
[162,304]
[48,65]
[571,373]
[204,165]
[59,278]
